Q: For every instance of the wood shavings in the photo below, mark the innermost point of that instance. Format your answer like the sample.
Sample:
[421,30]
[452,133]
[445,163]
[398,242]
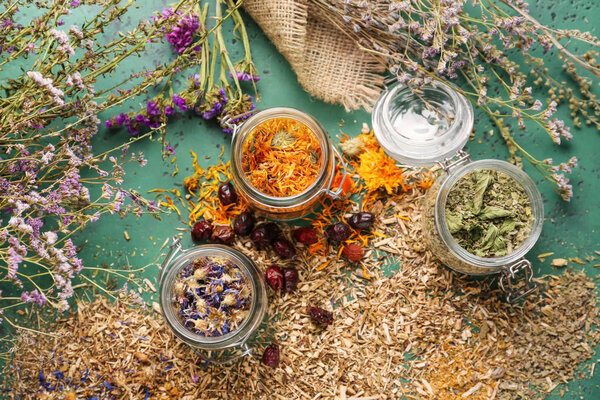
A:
[423,332]
[559,262]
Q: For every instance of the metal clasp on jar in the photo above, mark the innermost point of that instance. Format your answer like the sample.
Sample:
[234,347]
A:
[232,121]
[174,248]
[516,280]
[461,157]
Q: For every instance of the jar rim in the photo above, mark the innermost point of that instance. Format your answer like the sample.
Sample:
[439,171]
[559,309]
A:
[421,152]
[248,325]
[537,209]
[281,112]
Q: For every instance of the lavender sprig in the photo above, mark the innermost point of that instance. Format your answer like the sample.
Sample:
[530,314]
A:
[48,119]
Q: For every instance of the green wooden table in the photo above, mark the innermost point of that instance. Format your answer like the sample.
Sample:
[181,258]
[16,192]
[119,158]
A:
[570,230]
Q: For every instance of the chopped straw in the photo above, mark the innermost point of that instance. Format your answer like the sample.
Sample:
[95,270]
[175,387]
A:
[423,332]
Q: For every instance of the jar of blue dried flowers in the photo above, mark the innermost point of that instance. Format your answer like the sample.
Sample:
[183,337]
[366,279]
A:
[479,218]
[214,299]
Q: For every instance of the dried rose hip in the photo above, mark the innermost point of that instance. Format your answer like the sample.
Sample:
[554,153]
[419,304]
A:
[271,355]
[338,232]
[272,230]
[260,237]
[274,277]
[305,235]
[227,194]
[290,279]
[201,231]
[352,252]
[222,234]
[243,223]
[361,220]
[320,316]
[284,248]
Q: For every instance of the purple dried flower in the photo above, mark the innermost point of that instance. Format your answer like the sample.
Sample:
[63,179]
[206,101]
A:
[152,109]
[223,95]
[565,189]
[180,102]
[169,149]
[245,76]
[109,123]
[133,130]
[169,110]
[142,120]
[182,34]
[153,124]
[213,112]
[122,119]
[33,297]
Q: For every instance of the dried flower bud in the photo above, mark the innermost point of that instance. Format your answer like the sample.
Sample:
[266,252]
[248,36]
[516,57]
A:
[361,220]
[227,194]
[352,147]
[201,231]
[274,277]
[284,248]
[338,232]
[243,223]
[290,279]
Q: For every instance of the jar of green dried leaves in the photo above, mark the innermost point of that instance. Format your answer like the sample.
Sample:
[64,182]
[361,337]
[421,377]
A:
[481,217]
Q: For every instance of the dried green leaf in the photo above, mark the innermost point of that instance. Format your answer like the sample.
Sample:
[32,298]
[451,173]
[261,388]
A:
[490,236]
[491,212]
[507,226]
[499,246]
[483,179]
[454,222]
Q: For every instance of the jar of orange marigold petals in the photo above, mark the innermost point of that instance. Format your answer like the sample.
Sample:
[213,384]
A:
[283,162]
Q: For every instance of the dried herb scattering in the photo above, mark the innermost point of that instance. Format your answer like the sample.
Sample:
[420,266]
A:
[424,332]
[212,296]
[281,157]
[488,213]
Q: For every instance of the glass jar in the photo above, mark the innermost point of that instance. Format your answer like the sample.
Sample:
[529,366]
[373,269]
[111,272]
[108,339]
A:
[298,205]
[442,244]
[422,130]
[430,129]
[222,348]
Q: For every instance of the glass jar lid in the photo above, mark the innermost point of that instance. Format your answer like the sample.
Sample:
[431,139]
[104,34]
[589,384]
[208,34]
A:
[421,128]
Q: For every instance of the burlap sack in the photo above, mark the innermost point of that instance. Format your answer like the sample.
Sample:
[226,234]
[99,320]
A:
[329,65]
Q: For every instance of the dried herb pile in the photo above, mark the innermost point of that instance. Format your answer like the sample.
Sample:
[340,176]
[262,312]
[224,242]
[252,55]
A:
[281,157]
[488,213]
[423,332]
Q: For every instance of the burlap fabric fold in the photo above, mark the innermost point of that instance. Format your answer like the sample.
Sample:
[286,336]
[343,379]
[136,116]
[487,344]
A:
[329,65]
